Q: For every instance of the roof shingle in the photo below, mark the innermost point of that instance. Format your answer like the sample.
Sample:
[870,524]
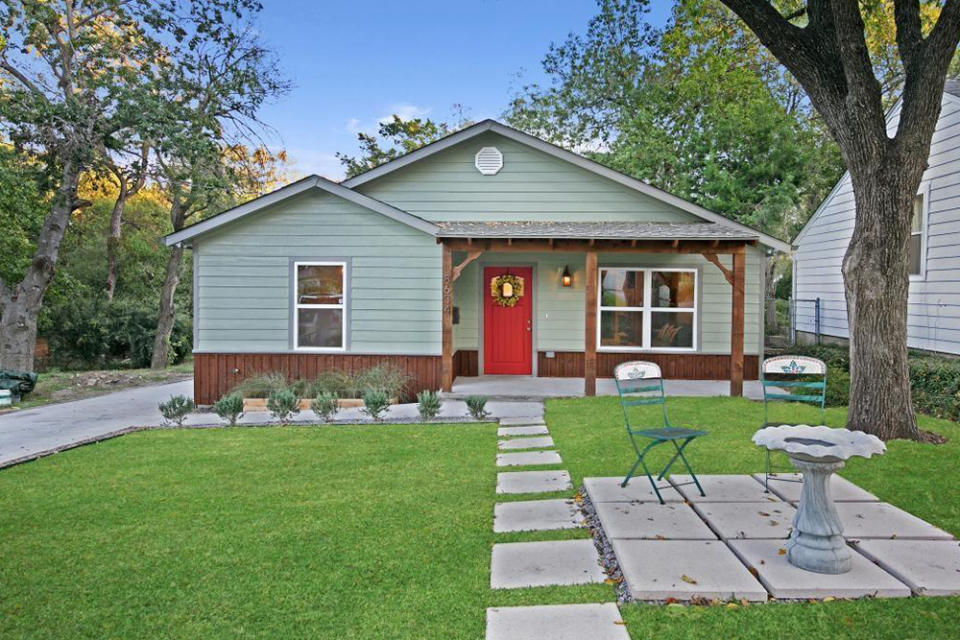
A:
[595,230]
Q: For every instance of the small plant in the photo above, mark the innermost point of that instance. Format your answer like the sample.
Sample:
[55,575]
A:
[229,408]
[477,406]
[283,404]
[175,410]
[383,377]
[375,403]
[261,385]
[325,405]
[428,404]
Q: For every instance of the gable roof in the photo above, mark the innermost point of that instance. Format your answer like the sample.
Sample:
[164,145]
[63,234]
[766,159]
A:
[595,230]
[293,189]
[558,152]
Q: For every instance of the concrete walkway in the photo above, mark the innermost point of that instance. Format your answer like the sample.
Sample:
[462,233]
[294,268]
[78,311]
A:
[532,387]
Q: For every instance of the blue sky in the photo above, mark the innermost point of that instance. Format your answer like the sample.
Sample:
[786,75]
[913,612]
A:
[354,63]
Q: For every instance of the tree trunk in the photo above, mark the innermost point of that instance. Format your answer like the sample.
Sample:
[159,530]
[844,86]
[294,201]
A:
[161,342]
[113,241]
[875,274]
[771,296]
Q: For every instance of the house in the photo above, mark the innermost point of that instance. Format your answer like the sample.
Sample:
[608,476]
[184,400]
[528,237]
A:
[933,321]
[487,252]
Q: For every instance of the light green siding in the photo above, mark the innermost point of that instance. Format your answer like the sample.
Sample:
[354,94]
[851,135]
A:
[531,186]
[244,288]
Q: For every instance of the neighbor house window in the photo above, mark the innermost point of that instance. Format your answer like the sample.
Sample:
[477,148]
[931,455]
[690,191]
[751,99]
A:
[915,248]
[320,305]
[647,309]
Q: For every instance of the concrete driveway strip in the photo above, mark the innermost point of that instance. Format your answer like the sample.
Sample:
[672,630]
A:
[33,431]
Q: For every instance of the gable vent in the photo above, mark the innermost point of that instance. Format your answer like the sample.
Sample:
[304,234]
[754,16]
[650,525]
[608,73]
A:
[489,161]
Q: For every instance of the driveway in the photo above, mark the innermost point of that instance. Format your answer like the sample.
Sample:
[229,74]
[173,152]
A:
[32,431]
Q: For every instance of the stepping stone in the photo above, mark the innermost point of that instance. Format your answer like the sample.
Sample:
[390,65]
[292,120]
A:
[928,567]
[521,422]
[785,581]
[533,481]
[652,521]
[685,570]
[638,490]
[536,515]
[748,520]
[789,485]
[528,458]
[557,622]
[723,488]
[539,564]
[538,430]
[883,520]
[544,442]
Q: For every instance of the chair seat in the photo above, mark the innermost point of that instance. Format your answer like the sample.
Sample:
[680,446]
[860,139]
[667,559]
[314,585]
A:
[669,433]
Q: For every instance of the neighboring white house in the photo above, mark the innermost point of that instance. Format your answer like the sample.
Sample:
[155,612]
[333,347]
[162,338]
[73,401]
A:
[934,302]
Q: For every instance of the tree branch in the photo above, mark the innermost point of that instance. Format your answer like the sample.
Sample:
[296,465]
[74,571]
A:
[22,78]
[862,85]
[906,15]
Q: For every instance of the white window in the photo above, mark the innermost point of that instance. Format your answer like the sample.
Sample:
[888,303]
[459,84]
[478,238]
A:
[648,308]
[916,248]
[320,306]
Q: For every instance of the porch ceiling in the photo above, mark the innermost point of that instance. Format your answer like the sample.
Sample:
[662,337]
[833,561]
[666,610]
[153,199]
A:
[595,230]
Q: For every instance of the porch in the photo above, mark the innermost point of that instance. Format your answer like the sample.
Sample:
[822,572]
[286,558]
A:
[538,388]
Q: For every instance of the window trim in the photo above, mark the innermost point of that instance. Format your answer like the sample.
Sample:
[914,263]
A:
[648,310]
[924,194]
[296,306]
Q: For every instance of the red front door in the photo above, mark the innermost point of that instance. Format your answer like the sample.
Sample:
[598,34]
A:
[507,331]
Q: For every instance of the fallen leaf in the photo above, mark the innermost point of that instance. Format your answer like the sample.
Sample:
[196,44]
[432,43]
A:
[781,551]
[829,599]
[620,622]
[659,537]
[609,581]
[764,514]
[688,579]
[732,605]
[753,572]
[774,523]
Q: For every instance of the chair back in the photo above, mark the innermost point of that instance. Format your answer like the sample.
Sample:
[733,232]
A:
[640,383]
[782,374]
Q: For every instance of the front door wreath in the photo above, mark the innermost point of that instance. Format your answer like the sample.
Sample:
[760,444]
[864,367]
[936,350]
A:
[506,290]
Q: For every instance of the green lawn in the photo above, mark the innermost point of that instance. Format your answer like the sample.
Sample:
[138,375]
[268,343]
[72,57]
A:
[374,532]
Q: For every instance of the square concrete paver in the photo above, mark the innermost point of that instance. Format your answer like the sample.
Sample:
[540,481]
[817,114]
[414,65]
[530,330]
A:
[528,458]
[533,481]
[785,581]
[841,489]
[723,488]
[883,520]
[543,442]
[748,519]
[685,570]
[557,622]
[521,422]
[537,430]
[638,490]
[536,515]
[928,567]
[539,564]
[652,521]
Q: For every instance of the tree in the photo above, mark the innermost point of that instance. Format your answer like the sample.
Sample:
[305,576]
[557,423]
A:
[130,171]
[824,45]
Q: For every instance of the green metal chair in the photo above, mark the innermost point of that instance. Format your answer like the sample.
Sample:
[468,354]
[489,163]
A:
[641,383]
[779,376]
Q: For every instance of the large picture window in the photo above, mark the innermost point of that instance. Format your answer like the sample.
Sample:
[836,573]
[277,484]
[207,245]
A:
[647,309]
[320,305]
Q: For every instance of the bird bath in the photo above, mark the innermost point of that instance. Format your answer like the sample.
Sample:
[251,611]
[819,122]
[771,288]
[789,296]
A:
[816,542]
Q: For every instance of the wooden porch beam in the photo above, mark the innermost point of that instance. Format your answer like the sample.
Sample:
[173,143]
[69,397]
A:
[727,273]
[736,324]
[457,270]
[446,359]
[590,332]
[604,246]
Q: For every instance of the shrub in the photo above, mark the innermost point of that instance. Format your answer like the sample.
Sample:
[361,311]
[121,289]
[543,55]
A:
[338,383]
[375,403]
[229,408]
[261,385]
[176,409]
[383,377]
[477,406]
[428,404]
[325,405]
[283,404]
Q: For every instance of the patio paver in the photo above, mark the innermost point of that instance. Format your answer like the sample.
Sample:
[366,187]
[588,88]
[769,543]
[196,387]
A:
[685,570]
[522,421]
[723,488]
[785,581]
[638,490]
[841,489]
[928,567]
[750,520]
[544,442]
[535,564]
[528,458]
[536,515]
[533,481]
[532,430]
[883,520]
[652,521]
[557,622]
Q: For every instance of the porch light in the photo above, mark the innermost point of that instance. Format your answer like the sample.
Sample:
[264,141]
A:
[566,278]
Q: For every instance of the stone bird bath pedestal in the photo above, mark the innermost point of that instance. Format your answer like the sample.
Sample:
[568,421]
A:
[817,543]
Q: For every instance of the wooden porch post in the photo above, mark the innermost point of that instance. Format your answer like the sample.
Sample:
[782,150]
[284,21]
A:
[736,324]
[590,334]
[446,366]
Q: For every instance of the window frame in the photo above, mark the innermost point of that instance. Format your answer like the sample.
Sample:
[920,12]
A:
[296,306]
[924,195]
[648,310]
